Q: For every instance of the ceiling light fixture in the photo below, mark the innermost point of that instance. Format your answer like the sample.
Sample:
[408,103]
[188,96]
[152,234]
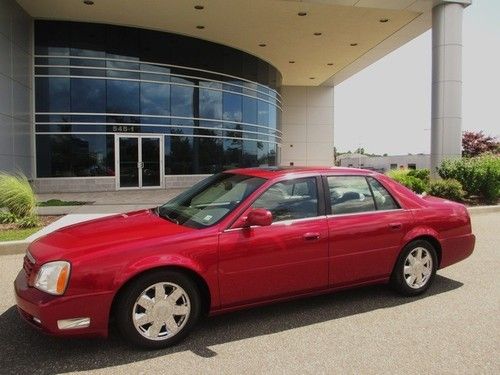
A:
[383,20]
[199,7]
[88,2]
[291,62]
[317,33]
[201,27]
[262,45]
[312,77]
[354,44]
[302,14]
[329,64]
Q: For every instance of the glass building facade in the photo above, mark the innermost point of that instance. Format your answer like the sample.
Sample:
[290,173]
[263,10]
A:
[111,99]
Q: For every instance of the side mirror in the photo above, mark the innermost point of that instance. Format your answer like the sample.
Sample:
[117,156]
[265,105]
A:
[260,217]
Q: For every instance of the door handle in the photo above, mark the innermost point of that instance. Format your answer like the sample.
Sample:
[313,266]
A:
[395,226]
[311,236]
[140,164]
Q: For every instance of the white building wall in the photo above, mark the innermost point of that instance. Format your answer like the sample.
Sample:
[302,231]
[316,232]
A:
[15,88]
[307,125]
[383,163]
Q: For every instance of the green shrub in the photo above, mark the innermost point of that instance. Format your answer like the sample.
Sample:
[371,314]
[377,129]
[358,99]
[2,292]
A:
[421,174]
[17,195]
[449,189]
[479,176]
[30,221]
[410,181]
[7,217]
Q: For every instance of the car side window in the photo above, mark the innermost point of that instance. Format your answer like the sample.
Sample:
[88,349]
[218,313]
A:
[382,197]
[350,194]
[292,199]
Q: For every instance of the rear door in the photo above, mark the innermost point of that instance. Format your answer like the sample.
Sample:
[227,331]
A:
[366,226]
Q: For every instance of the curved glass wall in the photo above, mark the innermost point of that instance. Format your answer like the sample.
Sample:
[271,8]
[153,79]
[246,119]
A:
[215,106]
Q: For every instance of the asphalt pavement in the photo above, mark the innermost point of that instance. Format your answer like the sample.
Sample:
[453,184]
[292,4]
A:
[453,329]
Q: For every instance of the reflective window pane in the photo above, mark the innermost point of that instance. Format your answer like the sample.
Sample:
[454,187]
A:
[210,100]
[383,198]
[75,155]
[182,101]
[155,98]
[129,159]
[290,200]
[150,162]
[52,94]
[232,107]
[350,194]
[249,110]
[122,96]
[88,95]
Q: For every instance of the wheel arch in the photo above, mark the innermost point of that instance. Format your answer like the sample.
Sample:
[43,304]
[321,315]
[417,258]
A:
[425,234]
[200,282]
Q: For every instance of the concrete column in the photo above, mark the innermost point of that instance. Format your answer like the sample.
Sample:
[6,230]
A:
[307,125]
[446,125]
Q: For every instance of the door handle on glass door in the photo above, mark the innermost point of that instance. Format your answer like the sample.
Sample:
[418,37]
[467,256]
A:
[311,236]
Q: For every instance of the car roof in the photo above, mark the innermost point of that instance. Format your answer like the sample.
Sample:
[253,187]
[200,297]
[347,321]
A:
[273,172]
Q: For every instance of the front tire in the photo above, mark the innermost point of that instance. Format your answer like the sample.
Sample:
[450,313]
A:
[415,269]
[158,309]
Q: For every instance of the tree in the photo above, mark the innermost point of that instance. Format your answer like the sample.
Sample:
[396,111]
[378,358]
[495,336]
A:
[476,143]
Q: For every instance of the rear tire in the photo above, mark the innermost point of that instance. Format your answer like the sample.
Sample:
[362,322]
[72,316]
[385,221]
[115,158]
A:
[158,309]
[415,269]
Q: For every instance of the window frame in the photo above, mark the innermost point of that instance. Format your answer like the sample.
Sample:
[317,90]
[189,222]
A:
[399,207]
[271,182]
[319,192]
[328,202]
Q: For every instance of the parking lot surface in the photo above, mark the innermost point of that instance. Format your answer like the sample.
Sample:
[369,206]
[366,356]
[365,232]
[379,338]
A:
[454,328]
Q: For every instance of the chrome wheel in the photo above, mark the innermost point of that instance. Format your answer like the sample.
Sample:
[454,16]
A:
[161,311]
[417,268]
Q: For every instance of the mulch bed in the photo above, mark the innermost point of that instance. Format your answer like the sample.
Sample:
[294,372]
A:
[44,220]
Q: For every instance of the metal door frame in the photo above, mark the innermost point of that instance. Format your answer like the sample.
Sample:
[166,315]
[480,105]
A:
[139,160]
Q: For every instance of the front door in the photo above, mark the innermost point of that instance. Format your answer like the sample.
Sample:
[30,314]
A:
[139,161]
[286,258]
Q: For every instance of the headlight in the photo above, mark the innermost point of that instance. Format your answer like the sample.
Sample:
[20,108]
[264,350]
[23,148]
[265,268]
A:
[53,277]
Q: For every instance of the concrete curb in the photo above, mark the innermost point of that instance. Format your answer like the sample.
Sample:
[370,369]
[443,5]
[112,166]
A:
[13,247]
[483,209]
[19,247]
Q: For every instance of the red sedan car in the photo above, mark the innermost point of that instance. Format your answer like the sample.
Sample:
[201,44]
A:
[238,239]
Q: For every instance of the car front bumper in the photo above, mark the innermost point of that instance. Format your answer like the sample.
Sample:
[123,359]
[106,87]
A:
[43,311]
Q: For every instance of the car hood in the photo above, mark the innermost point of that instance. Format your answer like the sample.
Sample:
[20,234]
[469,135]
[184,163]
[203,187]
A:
[104,234]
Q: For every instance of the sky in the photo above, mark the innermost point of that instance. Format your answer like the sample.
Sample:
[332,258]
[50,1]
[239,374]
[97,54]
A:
[386,108]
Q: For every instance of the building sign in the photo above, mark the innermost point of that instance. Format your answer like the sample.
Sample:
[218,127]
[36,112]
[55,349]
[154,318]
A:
[125,129]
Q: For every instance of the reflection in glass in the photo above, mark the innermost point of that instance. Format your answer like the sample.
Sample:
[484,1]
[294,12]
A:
[129,162]
[249,110]
[232,107]
[262,113]
[210,101]
[150,161]
[182,101]
[88,95]
[52,94]
[75,155]
[122,96]
[155,98]
[120,104]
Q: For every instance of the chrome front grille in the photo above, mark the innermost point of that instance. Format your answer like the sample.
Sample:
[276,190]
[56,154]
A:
[28,265]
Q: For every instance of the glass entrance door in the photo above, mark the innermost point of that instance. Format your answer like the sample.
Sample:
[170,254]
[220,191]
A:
[139,161]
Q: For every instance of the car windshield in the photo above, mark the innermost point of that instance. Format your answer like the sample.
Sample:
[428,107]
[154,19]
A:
[210,200]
